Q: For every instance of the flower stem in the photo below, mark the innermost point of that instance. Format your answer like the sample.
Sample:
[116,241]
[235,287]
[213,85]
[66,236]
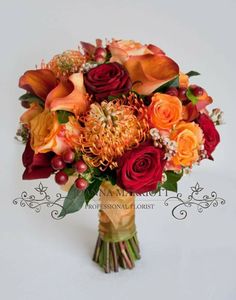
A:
[111,255]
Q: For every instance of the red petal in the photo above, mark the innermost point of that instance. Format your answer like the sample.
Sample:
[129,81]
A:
[36,173]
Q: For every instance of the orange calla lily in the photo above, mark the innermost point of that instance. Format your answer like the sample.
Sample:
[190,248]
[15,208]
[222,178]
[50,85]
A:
[38,82]
[203,101]
[149,71]
[70,96]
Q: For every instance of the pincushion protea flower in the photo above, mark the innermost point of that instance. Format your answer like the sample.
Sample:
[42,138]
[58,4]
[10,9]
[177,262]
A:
[110,128]
[67,63]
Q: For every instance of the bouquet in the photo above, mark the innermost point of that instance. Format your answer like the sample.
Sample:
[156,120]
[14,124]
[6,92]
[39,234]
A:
[118,118]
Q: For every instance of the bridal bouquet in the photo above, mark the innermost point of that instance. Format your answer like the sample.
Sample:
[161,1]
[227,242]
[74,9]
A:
[118,118]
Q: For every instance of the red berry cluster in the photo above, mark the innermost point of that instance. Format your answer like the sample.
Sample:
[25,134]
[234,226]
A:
[181,92]
[59,163]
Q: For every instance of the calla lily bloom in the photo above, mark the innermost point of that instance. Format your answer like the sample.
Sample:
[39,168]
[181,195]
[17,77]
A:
[38,82]
[69,96]
[148,72]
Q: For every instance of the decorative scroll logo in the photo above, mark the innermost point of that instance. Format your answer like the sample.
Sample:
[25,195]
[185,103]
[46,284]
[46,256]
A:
[43,199]
[179,211]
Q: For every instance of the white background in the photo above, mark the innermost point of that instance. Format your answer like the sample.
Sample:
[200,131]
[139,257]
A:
[192,259]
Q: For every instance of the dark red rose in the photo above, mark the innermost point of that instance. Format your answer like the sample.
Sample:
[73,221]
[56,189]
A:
[107,80]
[211,135]
[36,165]
[140,169]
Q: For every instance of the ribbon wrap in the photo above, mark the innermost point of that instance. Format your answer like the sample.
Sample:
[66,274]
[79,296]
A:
[117,213]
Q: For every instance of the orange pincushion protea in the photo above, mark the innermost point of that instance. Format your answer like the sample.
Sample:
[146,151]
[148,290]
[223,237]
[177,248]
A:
[110,129]
[67,63]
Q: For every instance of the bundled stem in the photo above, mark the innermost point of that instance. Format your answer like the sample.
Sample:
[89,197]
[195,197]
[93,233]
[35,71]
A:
[111,255]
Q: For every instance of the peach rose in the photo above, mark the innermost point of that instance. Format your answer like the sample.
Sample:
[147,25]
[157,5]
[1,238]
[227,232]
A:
[164,111]
[45,131]
[32,112]
[189,137]
[122,49]
[183,80]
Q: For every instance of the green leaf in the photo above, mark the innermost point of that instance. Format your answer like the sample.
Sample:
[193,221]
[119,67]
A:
[73,201]
[63,116]
[69,171]
[28,97]
[92,190]
[171,183]
[192,73]
[191,96]
[172,83]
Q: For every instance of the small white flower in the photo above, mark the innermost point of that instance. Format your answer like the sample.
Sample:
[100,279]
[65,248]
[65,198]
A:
[154,133]
[163,178]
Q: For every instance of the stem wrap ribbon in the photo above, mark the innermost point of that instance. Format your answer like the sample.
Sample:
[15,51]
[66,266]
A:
[117,213]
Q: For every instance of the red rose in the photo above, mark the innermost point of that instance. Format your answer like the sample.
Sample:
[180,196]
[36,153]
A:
[36,165]
[140,169]
[107,80]
[211,135]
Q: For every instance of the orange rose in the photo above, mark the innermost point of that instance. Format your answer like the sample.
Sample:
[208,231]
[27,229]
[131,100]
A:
[189,137]
[122,49]
[164,111]
[46,134]
[32,112]
[183,80]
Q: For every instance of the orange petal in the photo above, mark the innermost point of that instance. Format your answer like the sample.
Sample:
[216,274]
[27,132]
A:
[38,82]
[148,72]
[117,54]
[183,80]
[64,88]
[190,112]
[203,101]
[155,49]
[32,112]
[77,101]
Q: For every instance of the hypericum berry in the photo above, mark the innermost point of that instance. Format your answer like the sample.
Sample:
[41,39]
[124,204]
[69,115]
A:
[101,52]
[68,156]
[172,91]
[57,163]
[100,59]
[197,90]
[61,178]
[81,184]
[80,166]
[182,94]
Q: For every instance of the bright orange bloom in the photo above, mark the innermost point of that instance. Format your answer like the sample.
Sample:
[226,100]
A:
[189,137]
[38,82]
[69,95]
[110,129]
[32,112]
[67,63]
[183,80]
[164,111]
[123,49]
[149,71]
[45,132]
